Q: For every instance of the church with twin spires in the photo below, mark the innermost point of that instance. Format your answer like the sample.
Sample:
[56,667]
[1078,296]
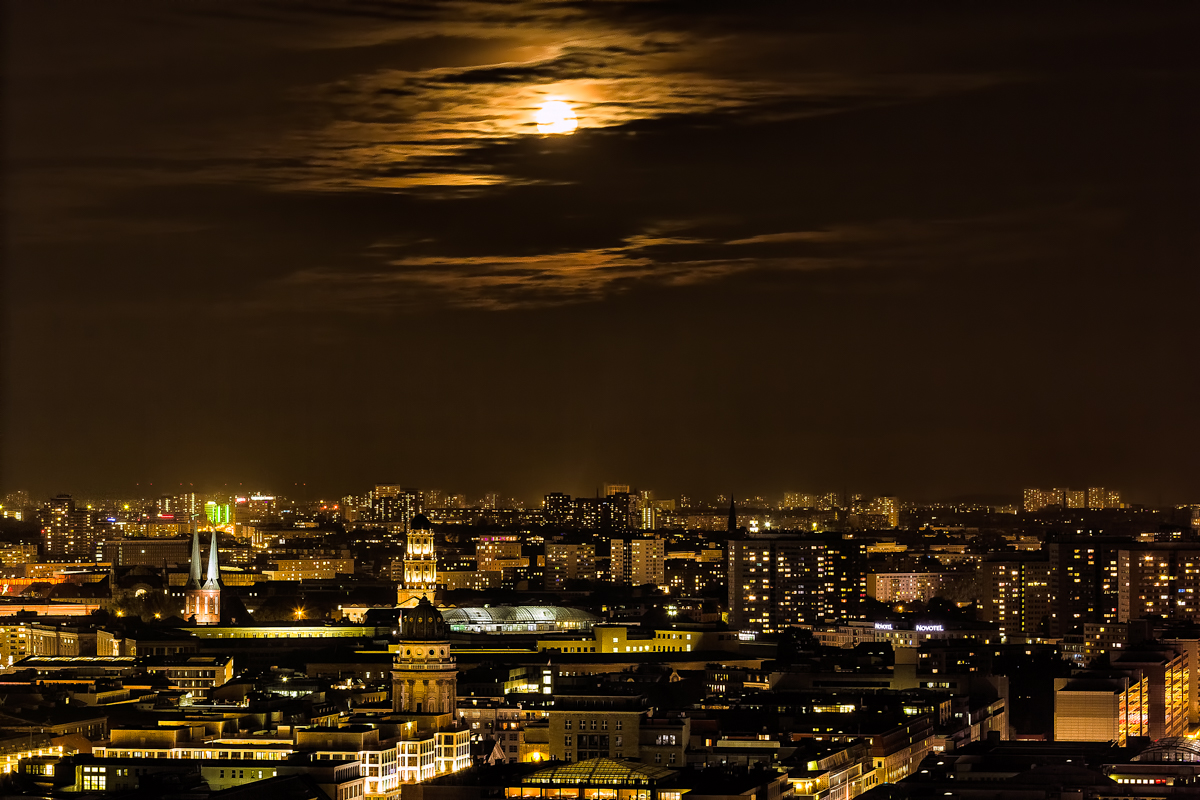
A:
[202,600]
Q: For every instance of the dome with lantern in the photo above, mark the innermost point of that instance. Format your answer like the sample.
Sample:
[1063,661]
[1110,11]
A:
[423,623]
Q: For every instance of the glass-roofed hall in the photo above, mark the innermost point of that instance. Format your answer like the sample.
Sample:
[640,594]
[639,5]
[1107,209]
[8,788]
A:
[518,619]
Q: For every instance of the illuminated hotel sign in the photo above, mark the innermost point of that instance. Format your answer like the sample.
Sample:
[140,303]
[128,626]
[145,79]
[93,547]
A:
[928,628]
[883,626]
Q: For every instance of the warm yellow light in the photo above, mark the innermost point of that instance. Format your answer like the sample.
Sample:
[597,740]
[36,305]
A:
[556,117]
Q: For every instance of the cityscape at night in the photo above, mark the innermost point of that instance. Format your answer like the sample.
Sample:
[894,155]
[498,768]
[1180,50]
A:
[599,400]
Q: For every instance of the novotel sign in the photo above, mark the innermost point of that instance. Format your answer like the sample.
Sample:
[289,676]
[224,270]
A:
[928,628]
[883,626]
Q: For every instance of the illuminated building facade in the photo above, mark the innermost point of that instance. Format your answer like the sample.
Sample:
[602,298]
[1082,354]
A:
[420,562]
[778,581]
[887,507]
[424,675]
[557,508]
[1101,709]
[202,600]
[497,552]
[392,503]
[637,562]
[566,562]
[1017,595]
[67,530]
[1161,579]
[1083,581]
[1167,677]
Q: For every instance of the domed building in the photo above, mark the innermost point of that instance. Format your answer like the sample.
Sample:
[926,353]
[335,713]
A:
[424,677]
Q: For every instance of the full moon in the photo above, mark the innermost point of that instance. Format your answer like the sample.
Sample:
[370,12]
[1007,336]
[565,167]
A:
[556,117]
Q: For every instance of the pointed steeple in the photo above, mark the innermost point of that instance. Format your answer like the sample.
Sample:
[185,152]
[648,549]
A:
[733,526]
[214,571]
[194,577]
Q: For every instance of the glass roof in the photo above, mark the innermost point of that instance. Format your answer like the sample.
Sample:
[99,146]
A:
[1171,748]
[601,772]
[501,615]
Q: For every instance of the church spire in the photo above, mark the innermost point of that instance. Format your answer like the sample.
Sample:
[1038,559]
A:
[733,526]
[194,577]
[214,571]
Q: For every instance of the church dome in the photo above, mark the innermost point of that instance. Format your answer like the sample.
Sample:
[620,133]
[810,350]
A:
[420,523]
[423,623]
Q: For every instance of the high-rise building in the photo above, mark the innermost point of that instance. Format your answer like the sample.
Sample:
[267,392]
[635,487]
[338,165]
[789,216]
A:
[494,553]
[568,562]
[785,579]
[1016,594]
[1037,499]
[395,504]
[1158,579]
[794,500]
[217,513]
[587,512]
[1099,497]
[180,506]
[556,508]
[1083,580]
[637,562]
[615,488]
[1075,498]
[67,530]
[888,507]
[621,511]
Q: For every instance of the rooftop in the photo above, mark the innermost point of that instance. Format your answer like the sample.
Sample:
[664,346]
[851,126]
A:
[601,772]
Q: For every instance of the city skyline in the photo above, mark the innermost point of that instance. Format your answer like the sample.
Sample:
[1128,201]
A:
[519,245]
[1028,498]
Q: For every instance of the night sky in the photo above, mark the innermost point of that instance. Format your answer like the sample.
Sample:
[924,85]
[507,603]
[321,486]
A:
[924,249]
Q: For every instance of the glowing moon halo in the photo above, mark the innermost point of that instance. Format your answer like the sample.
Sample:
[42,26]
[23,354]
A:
[555,117]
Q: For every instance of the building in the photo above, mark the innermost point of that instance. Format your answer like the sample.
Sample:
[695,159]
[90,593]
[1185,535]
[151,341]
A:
[67,530]
[776,581]
[888,508]
[518,619]
[310,569]
[582,728]
[904,587]
[471,579]
[424,675]
[143,552]
[1167,676]
[495,553]
[599,778]
[1158,579]
[396,504]
[569,562]
[1084,580]
[638,562]
[17,555]
[557,508]
[1016,595]
[420,562]
[1100,709]
[202,601]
